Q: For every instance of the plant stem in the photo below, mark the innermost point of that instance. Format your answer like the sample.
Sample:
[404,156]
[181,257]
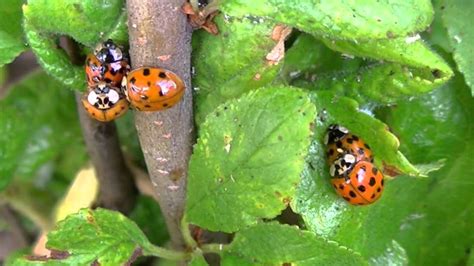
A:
[160,36]
[214,248]
[156,251]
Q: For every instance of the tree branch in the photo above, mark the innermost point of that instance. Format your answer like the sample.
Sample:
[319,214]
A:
[117,189]
[161,37]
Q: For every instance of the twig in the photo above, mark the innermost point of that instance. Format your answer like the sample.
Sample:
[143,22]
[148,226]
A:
[161,37]
[117,189]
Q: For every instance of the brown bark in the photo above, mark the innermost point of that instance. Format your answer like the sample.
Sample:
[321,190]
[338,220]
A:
[161,37]
[117,189]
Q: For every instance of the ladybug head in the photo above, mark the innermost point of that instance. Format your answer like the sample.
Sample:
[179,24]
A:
[108,52]
[335,133]
[103,96]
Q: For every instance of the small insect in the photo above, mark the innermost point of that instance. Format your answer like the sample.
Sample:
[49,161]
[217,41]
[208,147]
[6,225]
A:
[108,64]
[104,102]
[108,52]
[354,176]
[339,140]
[153,89]
[361,184]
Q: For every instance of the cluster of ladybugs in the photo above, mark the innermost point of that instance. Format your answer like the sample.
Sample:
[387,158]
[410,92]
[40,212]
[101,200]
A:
[354,176]
[112,88]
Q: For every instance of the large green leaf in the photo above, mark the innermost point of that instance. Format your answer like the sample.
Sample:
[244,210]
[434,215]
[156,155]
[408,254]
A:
[415,213]
[456,16]
[368,19]
[11,33]
[101,236]
[276,244]
[248,158]
[38,125]
[231,63]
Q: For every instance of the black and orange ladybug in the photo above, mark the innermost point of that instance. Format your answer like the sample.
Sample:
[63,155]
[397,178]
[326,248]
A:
[152,89]
[104,102]
[354,176]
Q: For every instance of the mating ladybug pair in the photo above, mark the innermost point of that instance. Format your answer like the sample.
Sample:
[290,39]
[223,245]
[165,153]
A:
[354,176]
[112,87]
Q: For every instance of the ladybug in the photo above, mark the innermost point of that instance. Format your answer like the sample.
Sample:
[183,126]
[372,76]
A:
[339,140]
[153,89]
[354,176]
[112,73]
[361,184]
[108,64]
[104,102]
[108,52]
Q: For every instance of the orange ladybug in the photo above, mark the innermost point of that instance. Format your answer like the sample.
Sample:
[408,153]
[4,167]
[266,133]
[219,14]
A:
[153,89]
[361,184]
[104,102]
[97,71]
[339,140]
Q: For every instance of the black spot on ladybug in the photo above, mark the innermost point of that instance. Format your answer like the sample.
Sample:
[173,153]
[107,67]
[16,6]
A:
[339,144]
[349,140]
[331,152]
[148,83]
[161,93]
[113,72]
[373,196]
[107,80]
[93,114]
[123,107]
[383,182]
[372,181]
[361,151]
[162,75]
[374,170]
[341,186]
[367,146]
[352,194]
[346,198]
[379,189]
[147,106]
[165,105]
[116,113]
[133,80]
[355,138]
[146,72]
[361,188]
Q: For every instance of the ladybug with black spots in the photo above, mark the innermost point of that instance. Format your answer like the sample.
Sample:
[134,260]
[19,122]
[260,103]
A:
[108,64]
[354,176]
[104,102]
[152,89]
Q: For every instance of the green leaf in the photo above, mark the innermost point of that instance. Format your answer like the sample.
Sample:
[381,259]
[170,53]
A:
[308,58]
[231,63]
[232,259]
[274,243]
[38,120]
[416,213]
[87,21]
[11,33]
[456,16]
[394,255]
[101,236]
[341,19]
[148,216]
[53,59]
[414,69]
[345,111]
[248,158]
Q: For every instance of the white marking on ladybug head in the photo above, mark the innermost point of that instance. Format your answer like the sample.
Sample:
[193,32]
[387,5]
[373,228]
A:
[343,129]
[326,139]
[92,97]
[113,95]
[349,158]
